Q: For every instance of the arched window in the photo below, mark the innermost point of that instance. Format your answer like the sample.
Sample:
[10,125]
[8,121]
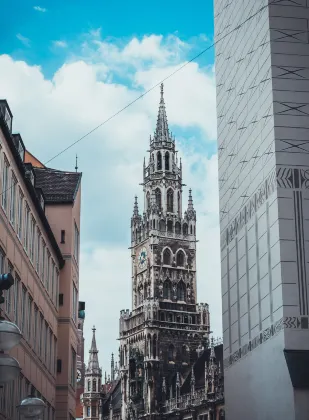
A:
[154,346]
[170,226]
[153,224]
[170,196]
[171,352]
[148,200]
[167,161]
[162,225]
[185,229]
[178,202]
[180,259]
[167,289]
[88,412]
[167,257]
[159,161]
[158,198]
[177,227]
[181,289]
[191,229]
[89,386]
[94,385]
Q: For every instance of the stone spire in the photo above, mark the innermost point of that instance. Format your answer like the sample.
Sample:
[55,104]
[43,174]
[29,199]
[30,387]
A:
[93,363]
[112,368]
[135,208]
[191,213]
[162,132]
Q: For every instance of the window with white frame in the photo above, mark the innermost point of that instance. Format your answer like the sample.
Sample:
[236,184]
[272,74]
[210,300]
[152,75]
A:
[40,334]
[88,412]
[74,303]
[35,327]
[32,239]
[51,359]
[38,250]
[9,293]
[19,213]
[29,319]
[48,271]
[46,335]
[26,227]
[13,199]
[55,355]
[52,280]
[43,262]
[56,300]
[5,182]
[76,243]
[16,300]
[23,308]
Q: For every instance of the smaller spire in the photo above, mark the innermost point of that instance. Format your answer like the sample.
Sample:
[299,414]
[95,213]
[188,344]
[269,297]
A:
[76,165]
[190,201]
[93,363]
[112,368]
[135,209]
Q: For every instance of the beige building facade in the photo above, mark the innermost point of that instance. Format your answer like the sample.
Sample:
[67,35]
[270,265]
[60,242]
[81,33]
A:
[39,245]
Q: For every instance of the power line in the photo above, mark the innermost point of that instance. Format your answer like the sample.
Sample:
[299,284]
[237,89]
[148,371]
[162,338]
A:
[156,85]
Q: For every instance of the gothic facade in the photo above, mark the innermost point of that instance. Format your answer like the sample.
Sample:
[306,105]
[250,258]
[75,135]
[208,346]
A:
[167,331]
[167,366]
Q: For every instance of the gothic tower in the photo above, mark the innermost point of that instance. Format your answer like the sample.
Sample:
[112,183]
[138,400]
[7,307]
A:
[162,336]
[91,398]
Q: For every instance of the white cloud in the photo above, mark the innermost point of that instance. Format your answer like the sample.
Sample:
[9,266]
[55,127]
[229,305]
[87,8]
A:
[40,9]
[23,39]
[60,44]
[57,112]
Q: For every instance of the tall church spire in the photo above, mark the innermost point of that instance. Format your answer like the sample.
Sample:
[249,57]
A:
[93,363]
[162,132]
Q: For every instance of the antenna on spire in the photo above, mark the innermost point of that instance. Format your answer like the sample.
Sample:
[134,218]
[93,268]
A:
[76,165]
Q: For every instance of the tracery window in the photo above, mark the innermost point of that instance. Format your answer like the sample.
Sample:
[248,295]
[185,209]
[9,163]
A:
[180,259]
[170,226]
[167,161]
[159,161]
[94,385]
[170,199]
[185,229]
[167,257]
[177,227]
[167,289]
[162,225]
[181,291]
[158,197]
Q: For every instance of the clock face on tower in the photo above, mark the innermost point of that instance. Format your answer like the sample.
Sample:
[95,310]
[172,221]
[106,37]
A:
[142,258]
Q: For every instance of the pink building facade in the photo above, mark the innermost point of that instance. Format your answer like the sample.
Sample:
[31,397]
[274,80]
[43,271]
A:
[39,245]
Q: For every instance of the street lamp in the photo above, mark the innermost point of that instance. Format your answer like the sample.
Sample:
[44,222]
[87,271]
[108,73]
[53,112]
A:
[10,336]
[31,407]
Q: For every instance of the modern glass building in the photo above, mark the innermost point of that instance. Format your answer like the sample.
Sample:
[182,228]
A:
[262,76]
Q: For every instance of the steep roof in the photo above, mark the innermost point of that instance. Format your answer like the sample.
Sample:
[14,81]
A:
[57,186]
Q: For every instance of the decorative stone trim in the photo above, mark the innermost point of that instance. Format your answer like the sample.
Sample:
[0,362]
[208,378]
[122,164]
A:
[298,323]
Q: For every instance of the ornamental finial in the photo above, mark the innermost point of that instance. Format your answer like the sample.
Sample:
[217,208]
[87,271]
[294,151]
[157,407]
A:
[162,92]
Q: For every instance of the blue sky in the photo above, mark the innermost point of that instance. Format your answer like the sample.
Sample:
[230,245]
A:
[45,21]
[66,66]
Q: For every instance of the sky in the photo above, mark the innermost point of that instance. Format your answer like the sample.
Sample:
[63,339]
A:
[66,67]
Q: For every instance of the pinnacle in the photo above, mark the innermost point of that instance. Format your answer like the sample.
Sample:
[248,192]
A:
[162,131]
